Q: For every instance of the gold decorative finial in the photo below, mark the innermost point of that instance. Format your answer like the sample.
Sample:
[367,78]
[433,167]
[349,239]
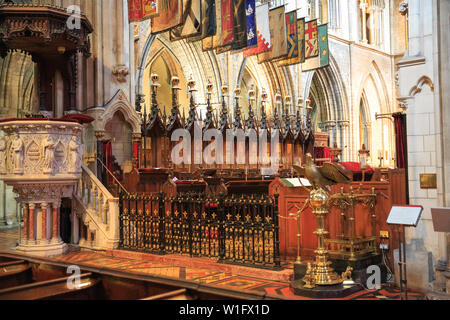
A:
[175,83]
[209,86]
[225,90]
[308,104]
[155,79]
[300,102]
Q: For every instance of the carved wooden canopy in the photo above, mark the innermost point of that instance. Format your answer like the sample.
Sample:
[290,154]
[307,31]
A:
[41,30]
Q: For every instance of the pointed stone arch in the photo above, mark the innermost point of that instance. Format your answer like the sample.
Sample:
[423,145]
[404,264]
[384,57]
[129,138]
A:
[203,66]
[424,80]
[327,87]
[374,95]
[119,103]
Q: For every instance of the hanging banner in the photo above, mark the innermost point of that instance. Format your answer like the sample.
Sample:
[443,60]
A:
[323,58]
[142,9]
[292,39]
[134,10]
[192,21]
[209,25]
[263,31]
[217,39]
[227,22]
[324,50]
[240,25]
[311,41]
[224,49]
[301,39]
[301,45]
[277,27]
[170,15]
[250,11]
[149,9]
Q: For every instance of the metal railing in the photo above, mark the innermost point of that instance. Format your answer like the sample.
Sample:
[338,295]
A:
[232,230]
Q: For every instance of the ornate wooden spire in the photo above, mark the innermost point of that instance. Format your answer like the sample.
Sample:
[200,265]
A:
[174,118]
[264,124]
[209,118]
[237,123]
[223,118]
[251,123]
[276,119]
[286,119]
[155,113]
[192,117]
[298,119]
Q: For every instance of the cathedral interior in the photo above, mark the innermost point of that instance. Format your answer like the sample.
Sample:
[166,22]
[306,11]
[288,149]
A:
[158,166]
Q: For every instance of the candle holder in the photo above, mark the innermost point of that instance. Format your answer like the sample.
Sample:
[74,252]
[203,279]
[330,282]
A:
[363,158]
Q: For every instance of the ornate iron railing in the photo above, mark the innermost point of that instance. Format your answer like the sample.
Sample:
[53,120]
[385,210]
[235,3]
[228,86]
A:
[232,230]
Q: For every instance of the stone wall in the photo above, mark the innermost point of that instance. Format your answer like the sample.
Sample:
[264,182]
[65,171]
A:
[420,91]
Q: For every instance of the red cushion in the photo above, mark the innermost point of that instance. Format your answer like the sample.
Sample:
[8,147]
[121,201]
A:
[355,167]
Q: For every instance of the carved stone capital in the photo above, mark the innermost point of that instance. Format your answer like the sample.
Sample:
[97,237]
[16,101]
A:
[120,71]
[403,103]
[344,124]
[100,135]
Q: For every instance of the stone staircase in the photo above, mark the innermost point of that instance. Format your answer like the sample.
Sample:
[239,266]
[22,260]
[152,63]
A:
[98,212]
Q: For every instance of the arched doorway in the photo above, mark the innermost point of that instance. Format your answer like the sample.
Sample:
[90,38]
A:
[117,149]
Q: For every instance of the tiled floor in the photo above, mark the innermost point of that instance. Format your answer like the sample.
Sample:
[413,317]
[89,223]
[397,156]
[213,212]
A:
[219,279]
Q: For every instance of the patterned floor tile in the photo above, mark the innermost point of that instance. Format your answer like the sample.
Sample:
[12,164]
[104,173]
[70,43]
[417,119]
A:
[8,239]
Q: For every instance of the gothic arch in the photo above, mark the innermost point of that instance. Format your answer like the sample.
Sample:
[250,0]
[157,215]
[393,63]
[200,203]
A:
[326,86]
[373,93]
[424,80]
[119,103]
[203,66]
[375,77]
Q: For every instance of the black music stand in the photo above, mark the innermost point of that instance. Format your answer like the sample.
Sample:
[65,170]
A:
[441,223]
[404,216]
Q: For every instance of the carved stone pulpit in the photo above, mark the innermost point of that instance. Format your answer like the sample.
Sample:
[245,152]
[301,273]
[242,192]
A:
[41,160]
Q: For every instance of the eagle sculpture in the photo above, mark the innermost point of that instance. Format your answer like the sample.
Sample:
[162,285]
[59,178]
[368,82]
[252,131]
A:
[321,177]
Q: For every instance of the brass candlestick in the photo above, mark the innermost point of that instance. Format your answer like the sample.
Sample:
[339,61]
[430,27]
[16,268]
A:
[320,273]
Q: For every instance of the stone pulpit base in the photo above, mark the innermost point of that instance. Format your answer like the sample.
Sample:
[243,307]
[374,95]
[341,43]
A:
[41,160]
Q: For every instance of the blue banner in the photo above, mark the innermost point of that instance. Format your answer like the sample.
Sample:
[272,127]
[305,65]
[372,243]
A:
[250,11]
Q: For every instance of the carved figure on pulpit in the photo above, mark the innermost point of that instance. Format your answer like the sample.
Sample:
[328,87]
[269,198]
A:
[74,155]
[2,155]
[17,148]
[49,154]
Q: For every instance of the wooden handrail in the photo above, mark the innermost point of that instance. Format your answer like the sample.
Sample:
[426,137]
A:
[112,175]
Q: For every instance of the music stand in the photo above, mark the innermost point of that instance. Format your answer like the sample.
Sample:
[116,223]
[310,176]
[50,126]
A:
[404,216]
[441,223]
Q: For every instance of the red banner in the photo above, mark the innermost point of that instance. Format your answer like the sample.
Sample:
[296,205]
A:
[135,10]
[227,22]
[149,9]
[142,9]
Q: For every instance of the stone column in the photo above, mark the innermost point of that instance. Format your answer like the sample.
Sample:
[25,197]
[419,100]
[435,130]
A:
[372,25]
[2,204]
[75,228]
[330,127]
[344,126]
[44,238]
[55,222]
[99,135]
[25,223]
[363,6]
[31,224]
